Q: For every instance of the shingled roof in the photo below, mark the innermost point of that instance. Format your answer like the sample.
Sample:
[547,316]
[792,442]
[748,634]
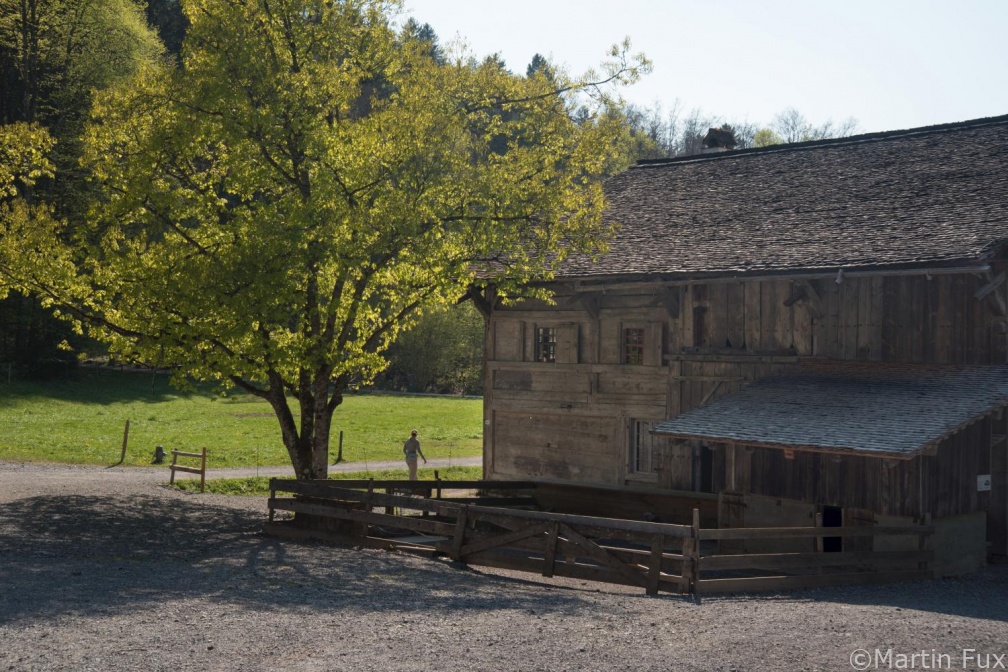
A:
[888,410]
[929,196]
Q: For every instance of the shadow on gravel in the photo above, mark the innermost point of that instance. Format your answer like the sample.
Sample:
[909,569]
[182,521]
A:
[107,555]
[981,595]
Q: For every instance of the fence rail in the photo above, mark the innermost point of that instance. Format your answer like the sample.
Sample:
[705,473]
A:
[441,518]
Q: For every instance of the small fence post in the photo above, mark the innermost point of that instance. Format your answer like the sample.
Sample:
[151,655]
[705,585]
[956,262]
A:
[122,456]
[272,498]
[202,476]
[549,559]
[695,580]
[458,540]
[174,459]
[654,569]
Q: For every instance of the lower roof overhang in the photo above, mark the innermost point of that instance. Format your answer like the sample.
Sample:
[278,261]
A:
[883,410]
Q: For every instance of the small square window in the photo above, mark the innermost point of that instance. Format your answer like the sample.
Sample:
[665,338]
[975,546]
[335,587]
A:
[633,346]
[546,344]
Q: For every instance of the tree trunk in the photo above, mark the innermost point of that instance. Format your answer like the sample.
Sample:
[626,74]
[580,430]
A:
[308,448]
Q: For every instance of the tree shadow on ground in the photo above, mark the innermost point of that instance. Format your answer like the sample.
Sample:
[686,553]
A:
[94,555]
[101,385]
[81,555]
[981,595]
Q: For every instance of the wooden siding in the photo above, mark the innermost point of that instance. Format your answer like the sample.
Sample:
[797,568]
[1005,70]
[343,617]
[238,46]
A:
[552,446]
[568,420]
[943,484]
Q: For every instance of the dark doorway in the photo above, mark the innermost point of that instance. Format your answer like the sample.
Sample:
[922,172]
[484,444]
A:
[703,469]
[832,516]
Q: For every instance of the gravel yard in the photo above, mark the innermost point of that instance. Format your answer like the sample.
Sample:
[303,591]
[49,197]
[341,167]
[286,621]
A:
[107,569]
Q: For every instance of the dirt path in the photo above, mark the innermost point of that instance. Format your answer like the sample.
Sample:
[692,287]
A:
[102,570]
[19,479]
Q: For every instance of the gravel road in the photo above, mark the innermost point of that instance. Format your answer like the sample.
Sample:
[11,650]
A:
[107,569]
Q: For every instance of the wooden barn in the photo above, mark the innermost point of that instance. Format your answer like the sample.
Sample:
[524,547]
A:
[810,332]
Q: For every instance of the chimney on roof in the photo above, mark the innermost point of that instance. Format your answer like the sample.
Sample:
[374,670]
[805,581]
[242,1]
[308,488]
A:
[719,139]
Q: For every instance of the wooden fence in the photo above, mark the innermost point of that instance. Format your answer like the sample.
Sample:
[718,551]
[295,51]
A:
[469,522]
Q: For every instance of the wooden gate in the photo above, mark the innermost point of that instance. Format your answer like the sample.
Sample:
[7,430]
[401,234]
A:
[637,553]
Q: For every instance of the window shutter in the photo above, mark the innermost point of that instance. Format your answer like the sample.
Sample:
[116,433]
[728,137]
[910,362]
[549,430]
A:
[654,344]
[567,344]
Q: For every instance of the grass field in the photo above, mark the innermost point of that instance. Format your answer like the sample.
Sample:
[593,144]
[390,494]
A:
[81,420]
[259,485]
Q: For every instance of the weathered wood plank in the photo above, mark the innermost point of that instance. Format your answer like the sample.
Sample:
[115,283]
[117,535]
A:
[483,542]
[775,583]
[414,523]
[718,316]
[596,552]
[812,532]
[655,565]
[777,561]
[549,560]
[735,310]
[753,316]
[770,305]
[784,329]
[849,297]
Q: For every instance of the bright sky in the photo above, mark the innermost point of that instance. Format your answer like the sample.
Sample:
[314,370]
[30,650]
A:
[890,64]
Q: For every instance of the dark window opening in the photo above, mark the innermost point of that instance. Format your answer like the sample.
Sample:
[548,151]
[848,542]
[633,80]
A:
[641,454]
[546,344]
[633,346]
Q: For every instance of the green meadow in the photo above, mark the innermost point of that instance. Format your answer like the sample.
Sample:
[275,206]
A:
[259,485]
[80,419]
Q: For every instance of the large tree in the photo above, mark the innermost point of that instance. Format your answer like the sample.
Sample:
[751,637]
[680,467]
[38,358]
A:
[283,205]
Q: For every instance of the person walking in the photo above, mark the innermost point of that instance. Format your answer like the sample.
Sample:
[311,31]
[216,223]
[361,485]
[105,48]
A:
[411,449]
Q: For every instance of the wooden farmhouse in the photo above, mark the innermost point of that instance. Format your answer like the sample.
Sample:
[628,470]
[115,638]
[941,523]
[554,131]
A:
[811,332]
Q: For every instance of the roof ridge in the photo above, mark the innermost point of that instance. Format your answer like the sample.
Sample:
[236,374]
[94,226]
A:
[829,142]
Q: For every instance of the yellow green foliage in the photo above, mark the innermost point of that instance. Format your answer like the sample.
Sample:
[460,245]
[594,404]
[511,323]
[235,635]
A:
[280,207]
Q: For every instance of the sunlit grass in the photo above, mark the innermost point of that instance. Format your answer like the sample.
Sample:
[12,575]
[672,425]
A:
[259,485]
[81,420]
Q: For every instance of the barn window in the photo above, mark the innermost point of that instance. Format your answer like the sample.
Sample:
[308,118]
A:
[633,345]
[640,453]
[546,344]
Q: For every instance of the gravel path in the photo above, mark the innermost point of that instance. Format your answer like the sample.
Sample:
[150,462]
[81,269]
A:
[106,569]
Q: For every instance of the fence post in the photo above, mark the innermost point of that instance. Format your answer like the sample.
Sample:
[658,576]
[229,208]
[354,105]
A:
[460,525]
[654,570]
[695,578]
[272,498]
[202,476]
[122,456]
[174,460]
[549,559]
[819,541]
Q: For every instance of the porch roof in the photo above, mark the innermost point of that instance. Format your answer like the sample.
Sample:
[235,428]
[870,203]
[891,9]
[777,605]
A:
[894,411]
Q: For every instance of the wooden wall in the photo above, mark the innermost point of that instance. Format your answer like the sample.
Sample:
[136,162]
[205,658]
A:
[569,420]
[899,318]
[943,483]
